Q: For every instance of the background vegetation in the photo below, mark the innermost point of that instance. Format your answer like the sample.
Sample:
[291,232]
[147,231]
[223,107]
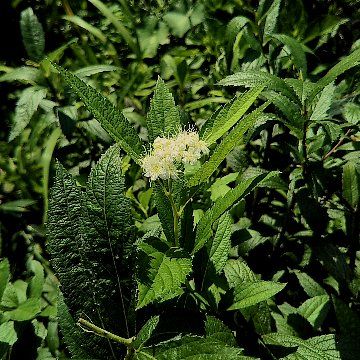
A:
[301,228]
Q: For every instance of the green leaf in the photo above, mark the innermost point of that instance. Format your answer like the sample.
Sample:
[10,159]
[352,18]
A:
[32,34]
[94,69]
[220,246]
[25,311]
[225,147]
[315,309]
[196,348]
[146,332]
[252,78]
[351,183]
[80,345]
[249,294]
[204,227]
[17,205]
[237,273]
[4,275]
[346,63]
[165,212]
[37,281]
[292,112]
[229,116]
[86,26]
[25,109]
[351,113]
[217,331]
[110,118]
[322,107]
[317,348]
[296,50]
[310,286]
[272,18]
[163,118]
[163,277]
[26,74]
[7,333]
[85,288]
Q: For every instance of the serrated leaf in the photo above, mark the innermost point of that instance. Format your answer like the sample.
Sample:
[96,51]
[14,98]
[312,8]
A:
[324,103]
[94,69]
[310,286]
[315,309]
[163,279]
[78,342]
[351,183]
[225,147]
[249,294]
[26,107]
[7,333]
[293,118]
[346,63]
[229,116]
[110,118]
[237,272]
[163,118]
[77,250]
[351,113]
[204,227]
[272,18]
[4,276]
[296,50]
[32,34]
[252,78]
[220,246]
[146,332]
[317,348]
[217,330]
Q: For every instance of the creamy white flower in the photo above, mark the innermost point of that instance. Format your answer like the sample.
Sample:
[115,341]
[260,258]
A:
[168,153]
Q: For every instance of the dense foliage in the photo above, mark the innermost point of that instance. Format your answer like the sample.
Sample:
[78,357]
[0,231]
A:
[204,174]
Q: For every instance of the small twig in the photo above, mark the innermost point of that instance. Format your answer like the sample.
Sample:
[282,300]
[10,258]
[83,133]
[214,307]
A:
[337,145]
[89,327]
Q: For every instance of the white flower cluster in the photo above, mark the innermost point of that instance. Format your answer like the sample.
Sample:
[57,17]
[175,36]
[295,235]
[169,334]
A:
[168,153]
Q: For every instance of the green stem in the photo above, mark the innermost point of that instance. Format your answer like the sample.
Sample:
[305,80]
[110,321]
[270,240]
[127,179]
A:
[88,326]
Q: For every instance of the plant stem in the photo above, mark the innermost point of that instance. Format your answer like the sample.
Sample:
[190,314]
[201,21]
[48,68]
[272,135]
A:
[88,326]
[176,214]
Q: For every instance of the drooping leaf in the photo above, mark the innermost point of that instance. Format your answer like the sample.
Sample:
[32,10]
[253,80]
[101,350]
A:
[351,112]
[37,282]
[225,147]
[25,109]
[296,50]
[110,118]
[271,19]
[25,311]
[32,34]
[163,118]
[4,275]
[26,74]
[218,331]
[145,333]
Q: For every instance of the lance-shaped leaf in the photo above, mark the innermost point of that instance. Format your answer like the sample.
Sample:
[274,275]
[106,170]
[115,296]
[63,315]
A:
[315,309]
[252,78]
[204,227]
[110,118]
[163,117]
[224,148]
[229,115]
